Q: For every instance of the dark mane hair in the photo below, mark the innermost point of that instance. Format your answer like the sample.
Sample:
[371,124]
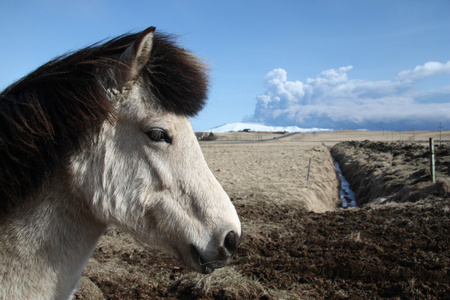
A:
[50,113]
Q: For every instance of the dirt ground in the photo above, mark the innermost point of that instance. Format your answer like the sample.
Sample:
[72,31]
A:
[298,243]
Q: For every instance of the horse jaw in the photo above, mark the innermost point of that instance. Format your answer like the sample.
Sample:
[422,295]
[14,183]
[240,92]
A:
[194,214]
[187,214]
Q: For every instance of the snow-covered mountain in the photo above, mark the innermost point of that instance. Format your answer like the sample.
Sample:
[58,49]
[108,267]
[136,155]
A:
[259,127]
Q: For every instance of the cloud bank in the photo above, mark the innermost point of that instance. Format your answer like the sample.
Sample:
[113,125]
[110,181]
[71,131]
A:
[332,100]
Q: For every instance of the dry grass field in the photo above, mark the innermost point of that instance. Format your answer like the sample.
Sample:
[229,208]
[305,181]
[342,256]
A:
[298,243]
[331,138]
[275,170]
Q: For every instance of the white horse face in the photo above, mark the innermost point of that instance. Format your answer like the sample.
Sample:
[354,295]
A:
[159,187]
[146,173]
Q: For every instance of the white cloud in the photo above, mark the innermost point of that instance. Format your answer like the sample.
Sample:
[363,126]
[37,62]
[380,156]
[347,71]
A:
[332,99]
[278,86]
[332,76]
[431,68]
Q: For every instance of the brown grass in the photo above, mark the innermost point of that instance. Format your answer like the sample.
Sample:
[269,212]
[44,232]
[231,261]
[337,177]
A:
[274,170]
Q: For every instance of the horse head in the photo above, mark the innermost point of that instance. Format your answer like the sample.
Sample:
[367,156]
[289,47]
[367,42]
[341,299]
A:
[144,171]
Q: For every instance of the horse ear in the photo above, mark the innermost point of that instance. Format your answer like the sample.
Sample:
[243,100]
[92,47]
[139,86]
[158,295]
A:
[137,54]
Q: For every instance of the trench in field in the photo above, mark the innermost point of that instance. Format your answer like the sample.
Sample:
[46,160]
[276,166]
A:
[346,194]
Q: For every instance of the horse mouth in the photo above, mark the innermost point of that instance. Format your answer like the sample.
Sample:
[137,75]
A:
[203,266]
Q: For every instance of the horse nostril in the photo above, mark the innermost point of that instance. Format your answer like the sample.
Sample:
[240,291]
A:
[231,242]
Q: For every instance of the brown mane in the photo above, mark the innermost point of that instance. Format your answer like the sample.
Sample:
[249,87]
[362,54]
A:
[48,114]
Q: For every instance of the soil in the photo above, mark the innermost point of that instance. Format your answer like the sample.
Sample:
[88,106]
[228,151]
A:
[358,254]
[397,245]
[385,172]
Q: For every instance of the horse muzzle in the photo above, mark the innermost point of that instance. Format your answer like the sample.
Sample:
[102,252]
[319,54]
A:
[206,263]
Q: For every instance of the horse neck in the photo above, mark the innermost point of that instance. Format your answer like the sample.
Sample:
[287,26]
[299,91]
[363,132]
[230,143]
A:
[47,242]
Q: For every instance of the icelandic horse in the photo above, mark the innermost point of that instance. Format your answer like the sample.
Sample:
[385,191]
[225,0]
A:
[101,137]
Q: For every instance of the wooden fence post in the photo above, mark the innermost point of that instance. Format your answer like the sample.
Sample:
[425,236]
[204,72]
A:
[432,168]
[309,169]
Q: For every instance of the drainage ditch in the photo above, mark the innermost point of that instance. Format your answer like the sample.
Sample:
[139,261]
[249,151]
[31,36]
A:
[345,192]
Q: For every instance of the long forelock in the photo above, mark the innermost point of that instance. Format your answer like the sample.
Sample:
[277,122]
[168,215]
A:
[51,112]
[177,78]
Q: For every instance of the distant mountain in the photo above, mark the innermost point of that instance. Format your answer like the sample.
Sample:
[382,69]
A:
[230,127]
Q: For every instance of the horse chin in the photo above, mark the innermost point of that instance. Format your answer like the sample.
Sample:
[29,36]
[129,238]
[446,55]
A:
[206,267]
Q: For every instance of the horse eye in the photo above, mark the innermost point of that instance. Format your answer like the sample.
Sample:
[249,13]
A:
[158,135]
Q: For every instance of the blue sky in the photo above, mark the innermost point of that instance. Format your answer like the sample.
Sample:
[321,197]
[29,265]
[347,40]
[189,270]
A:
[334,64]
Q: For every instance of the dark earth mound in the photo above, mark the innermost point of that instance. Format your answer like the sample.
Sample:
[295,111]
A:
[383,172]
[395,251]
